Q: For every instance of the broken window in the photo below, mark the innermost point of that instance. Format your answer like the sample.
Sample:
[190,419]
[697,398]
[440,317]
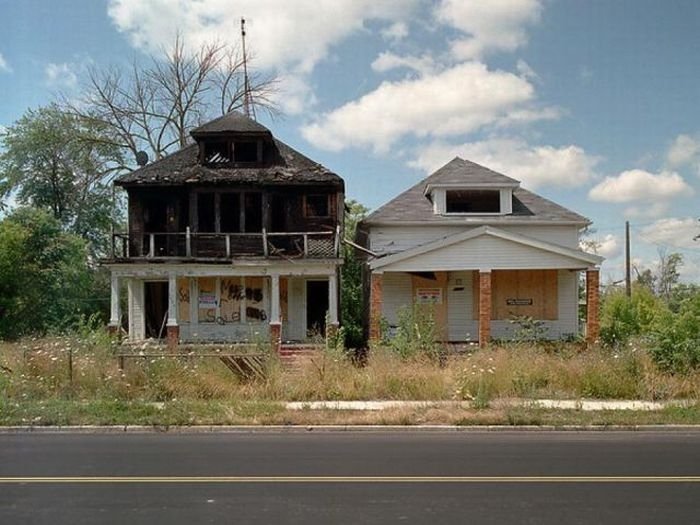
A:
[206,212]
[230,212]
[217,152]
[316,205]
[253,212]
[245,151]
[206,300]
[473,201]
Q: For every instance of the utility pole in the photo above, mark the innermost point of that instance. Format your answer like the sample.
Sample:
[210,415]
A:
[628,275]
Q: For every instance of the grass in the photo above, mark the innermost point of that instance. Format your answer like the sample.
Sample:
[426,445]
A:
[37,386]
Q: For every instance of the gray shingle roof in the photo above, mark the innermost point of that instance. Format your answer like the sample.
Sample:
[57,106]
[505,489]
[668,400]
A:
[284,165]
[413,206]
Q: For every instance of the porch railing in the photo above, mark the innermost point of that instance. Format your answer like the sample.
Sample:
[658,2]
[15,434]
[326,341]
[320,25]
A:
[291,245]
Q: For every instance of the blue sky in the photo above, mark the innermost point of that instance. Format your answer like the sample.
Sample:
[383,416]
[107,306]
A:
[592,104]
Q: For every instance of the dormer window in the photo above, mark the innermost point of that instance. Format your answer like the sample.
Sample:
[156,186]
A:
[245,151]
[472,201]
[217,152]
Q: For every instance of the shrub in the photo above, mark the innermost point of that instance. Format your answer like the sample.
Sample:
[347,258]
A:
[676,342]
[623,317]
[416,333]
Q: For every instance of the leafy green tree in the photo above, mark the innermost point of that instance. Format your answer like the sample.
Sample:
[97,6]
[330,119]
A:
[54,160]
[351,277]
[45,282]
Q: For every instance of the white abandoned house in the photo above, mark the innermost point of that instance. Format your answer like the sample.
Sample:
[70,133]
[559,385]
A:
[234,238]
[482,250]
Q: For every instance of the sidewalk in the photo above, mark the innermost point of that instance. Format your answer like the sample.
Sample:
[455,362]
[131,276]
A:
[562,404]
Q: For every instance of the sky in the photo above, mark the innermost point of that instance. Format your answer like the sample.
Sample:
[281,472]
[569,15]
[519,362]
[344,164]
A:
[593,104]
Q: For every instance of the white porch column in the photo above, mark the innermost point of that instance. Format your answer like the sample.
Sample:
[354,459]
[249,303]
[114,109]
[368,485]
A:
[333,299]
[172,300]
[275,299]
[115,313]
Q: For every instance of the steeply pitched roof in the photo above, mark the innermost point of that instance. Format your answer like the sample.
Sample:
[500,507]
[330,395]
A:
[285,166]
[233,122]
[413,206]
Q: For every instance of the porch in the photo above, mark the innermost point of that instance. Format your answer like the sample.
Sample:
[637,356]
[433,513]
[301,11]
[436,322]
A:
[220,304]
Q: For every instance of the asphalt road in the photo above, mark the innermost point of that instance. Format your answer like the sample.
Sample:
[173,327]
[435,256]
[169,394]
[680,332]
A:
[346,477]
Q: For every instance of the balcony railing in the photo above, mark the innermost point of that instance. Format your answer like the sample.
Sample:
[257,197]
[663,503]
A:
[287,245]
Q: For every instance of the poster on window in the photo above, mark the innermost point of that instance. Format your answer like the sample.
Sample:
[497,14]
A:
[429,295]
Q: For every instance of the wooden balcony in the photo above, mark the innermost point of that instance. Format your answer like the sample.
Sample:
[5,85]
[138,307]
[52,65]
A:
[222,246]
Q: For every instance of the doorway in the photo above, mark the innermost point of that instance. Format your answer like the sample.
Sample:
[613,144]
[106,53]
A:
[316,307]
[156,308]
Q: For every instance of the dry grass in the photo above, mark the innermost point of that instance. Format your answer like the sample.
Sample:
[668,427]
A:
[37,370]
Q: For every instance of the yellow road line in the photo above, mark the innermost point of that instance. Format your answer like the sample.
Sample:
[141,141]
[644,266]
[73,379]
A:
[348,479]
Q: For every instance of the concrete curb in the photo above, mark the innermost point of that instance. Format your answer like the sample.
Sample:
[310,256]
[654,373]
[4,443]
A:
[306,429]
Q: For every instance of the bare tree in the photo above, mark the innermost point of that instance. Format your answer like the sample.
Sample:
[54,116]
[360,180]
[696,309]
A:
[153,107]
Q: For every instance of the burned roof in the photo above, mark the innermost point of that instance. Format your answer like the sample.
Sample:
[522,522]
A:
[413,206]
[284,165]
[232,122]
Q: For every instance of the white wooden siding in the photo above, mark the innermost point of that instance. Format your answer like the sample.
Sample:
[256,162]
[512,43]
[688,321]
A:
[484,252]
[397,292]
[461,325]
[137,321]
[393,239]
[294,328]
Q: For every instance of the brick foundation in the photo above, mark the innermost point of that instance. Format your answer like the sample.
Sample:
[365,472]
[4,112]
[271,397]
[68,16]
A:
[592,306]
[172,336]
[375,307]
[484,308]
[276,337]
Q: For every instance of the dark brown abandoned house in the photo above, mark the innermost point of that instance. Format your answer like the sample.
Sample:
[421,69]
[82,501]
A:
[234,238]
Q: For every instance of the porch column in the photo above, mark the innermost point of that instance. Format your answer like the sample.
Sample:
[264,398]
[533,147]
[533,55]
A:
[332,327]
[172,328]
[115,312]
[275,320]
[375,307]
[484,307]
[592,305]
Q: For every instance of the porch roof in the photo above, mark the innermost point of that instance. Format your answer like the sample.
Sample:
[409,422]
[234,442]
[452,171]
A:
[486,247]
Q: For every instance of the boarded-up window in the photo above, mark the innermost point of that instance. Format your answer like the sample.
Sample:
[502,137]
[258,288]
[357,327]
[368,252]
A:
[232,294]
[183,297]
[432,294]
[534,293]
[254,295]
[207,300]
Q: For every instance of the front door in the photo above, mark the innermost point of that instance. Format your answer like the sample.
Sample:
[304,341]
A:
[316,307]
[156,306]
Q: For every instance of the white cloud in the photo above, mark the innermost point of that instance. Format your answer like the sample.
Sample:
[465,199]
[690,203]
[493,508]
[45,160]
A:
[677,232]
[493,25]
[61,75]
[387,61]
[4,66]
[534,166]
[640,185]
[458,100]
[684,150]
[395,32]
[526,71]
[609,246]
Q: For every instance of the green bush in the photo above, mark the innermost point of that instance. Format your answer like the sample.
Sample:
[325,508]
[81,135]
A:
[622,317]
[676,342]
[416,333]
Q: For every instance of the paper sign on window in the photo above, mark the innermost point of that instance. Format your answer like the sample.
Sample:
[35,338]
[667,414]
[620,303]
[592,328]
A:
[429,295]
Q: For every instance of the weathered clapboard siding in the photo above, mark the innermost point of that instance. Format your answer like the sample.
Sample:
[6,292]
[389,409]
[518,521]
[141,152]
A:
[203,332]
[460,322]
[397,292]
[567,323]
[294,328]
[485,252]
[392,239]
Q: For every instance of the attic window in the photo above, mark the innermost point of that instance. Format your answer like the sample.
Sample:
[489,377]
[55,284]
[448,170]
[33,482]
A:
[217,152]
[473,201]
[316,205]
[245,151]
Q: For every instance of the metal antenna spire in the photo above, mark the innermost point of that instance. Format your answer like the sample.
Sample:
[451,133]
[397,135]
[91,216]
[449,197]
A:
[248,105]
